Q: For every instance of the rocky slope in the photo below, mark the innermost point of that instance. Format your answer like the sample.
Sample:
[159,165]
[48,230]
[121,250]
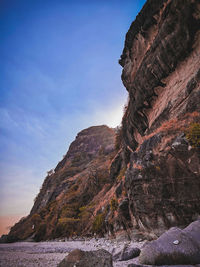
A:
[151,180]
[71,191]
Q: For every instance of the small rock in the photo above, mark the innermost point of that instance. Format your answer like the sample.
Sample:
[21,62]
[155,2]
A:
[176,242]
[126,254]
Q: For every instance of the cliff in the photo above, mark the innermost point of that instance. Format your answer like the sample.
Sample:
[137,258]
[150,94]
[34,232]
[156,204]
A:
[161,66]
[145,177]
[161,73]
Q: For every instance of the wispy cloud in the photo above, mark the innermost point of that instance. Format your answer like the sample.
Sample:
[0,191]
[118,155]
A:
[59,75]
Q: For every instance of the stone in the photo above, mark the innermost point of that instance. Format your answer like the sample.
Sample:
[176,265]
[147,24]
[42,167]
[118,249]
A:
[176,242]
[141,265]
[176,246]
[80,258]
[127,253]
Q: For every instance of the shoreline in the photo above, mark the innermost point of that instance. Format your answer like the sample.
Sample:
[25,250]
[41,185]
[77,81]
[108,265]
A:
[50,253]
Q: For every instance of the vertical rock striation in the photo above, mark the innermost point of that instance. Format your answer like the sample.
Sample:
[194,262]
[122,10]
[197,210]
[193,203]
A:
[161,72]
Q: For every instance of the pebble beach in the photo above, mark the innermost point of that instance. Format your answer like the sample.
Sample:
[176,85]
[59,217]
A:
[50,253]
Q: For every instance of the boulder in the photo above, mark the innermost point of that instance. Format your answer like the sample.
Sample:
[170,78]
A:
[176,246]
[127,253]
[139,265]
[79,258]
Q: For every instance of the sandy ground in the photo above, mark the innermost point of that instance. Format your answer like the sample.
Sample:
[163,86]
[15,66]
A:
[31,254]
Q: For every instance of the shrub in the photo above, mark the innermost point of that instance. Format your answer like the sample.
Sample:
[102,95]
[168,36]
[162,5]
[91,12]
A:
[40,234]
[36,219]
[121,174]
[86,210]
[113,204]
[66,227]
[193,134]
[99,223]
[68,211]
[76,160]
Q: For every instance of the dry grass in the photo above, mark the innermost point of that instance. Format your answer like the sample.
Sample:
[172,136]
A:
[174,126]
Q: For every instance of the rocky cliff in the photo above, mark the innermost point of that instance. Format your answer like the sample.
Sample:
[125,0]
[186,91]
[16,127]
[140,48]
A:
[150,181]
[161,72]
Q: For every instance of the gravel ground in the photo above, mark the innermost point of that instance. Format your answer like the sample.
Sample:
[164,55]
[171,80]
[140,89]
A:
[31,254]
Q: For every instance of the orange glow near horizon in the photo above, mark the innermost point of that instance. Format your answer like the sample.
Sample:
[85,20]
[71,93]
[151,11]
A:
[8,221]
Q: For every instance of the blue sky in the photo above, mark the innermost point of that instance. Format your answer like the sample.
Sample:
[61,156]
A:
[59,74]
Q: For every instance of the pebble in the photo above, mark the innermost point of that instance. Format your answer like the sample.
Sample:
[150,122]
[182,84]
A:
[176,242]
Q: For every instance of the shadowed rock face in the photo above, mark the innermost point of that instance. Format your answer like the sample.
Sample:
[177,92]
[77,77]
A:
[163,186]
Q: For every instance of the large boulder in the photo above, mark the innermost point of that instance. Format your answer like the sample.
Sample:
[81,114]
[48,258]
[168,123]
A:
[176,246]
[79,258]
[139,265]
[127,253]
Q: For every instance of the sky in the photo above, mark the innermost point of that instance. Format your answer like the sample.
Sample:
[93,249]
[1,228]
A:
[59,74]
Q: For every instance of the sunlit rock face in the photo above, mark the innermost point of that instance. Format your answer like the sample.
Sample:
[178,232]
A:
[161,65]
[161,72]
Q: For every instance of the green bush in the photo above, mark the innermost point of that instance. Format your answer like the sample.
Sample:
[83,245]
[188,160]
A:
[193,134]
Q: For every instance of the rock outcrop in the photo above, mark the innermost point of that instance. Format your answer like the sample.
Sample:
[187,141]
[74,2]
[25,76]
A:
[161,66]
[161,73]
[175,247]
[80,258]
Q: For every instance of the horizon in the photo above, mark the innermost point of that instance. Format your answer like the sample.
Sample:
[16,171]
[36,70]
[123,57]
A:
[60,75]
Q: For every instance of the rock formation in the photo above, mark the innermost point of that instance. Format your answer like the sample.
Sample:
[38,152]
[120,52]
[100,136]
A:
[162,75]
[176,246]
[151,180]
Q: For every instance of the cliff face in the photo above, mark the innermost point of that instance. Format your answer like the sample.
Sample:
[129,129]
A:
[161,66]
[89,145]
[161,72]
[151,180]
